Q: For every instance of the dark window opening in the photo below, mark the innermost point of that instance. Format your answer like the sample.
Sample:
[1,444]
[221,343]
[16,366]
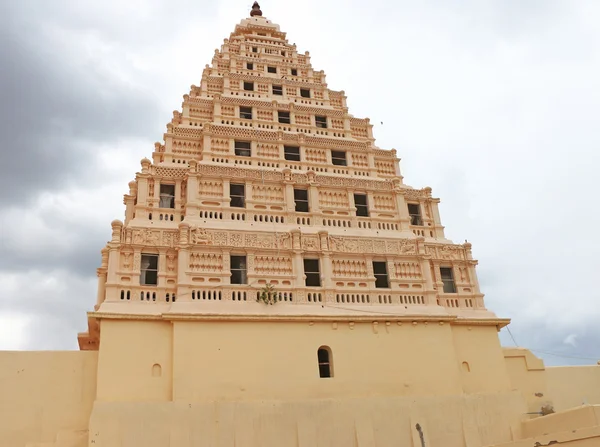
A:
[360,201]
[301,199]
[448,279]
[381,275]
[237,194]
[246,113]
[311,271]
[250,66]
[243,148]
[149,270]
[254,49]
[283,53]
[284,117]
[305,93]
[167,196]
[338,158]
[294,72]
[278,90]
[414,210]
[249,86]
[291,153]
[321,121]
[238,270]
[272,69]
[324,358]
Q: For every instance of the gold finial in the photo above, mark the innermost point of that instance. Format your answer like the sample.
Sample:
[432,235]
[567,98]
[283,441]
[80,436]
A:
[255,10]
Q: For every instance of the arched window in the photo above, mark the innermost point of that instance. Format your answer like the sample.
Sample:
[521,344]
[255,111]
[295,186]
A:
[325,362]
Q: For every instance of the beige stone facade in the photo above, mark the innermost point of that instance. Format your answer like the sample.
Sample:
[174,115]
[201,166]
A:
[275,283]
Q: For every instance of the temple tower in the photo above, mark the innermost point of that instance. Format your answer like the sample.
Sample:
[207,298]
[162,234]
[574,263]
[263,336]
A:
[269,210]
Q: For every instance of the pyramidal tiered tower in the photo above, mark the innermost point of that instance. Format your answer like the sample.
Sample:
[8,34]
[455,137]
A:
[266,186]
[267,221]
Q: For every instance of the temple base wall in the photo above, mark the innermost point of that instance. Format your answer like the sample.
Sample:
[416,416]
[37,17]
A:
[214,361]
[450,421]
[45,396]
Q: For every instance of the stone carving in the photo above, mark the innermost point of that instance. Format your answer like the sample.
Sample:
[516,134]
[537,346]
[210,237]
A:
[451,252]
[126,260]
[412,194]
[137,260]
[150,188]
[310,242]
[206,262]
[408,246]
[408,270]
[170,262]
[170,173]
[200,236]
[146,237]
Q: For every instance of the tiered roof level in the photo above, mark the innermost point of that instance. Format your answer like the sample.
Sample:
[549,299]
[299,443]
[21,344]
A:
[265,178]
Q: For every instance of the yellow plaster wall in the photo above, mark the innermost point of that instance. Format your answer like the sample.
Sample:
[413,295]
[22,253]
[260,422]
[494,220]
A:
[446,421]
[480,359]
[44,393]
[528,375]
[572,386]
[131,352]
[258,360]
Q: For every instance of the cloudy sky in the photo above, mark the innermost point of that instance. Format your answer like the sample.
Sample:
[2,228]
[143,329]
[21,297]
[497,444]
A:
[495,104]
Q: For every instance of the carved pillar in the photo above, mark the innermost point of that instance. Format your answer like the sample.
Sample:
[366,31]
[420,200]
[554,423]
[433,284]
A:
[402,211]
[370,273]
[437,221]
[327,273]
[102,277]
[313,197]
[298,259]
[192,205]
[162,268]
[217,113]
[226,200]
[290,202]
[137,262]
[183,262]
[178,197]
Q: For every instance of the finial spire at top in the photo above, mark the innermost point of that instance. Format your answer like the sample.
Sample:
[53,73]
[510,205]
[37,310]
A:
[255,10]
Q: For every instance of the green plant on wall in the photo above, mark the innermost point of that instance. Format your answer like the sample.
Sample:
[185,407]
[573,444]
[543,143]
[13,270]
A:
[267,294]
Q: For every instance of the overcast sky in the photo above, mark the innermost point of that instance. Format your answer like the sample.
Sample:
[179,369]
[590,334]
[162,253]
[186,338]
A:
[495,104]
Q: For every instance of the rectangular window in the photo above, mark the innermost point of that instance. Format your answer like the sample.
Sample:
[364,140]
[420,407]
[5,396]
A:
[167,196]
[311,270]
[321,121]
[278,90]
[448,279]
[237,195]
[149,270]
[305,93]
[271,69]
[284,117]
[301,199]
[249,86]
[291,153]
[414,210]
[246,113]
[362,208]
[250,66]
[381,275]
[254,49]
[243,148]
[294,72]
[239,274]
[338,158]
